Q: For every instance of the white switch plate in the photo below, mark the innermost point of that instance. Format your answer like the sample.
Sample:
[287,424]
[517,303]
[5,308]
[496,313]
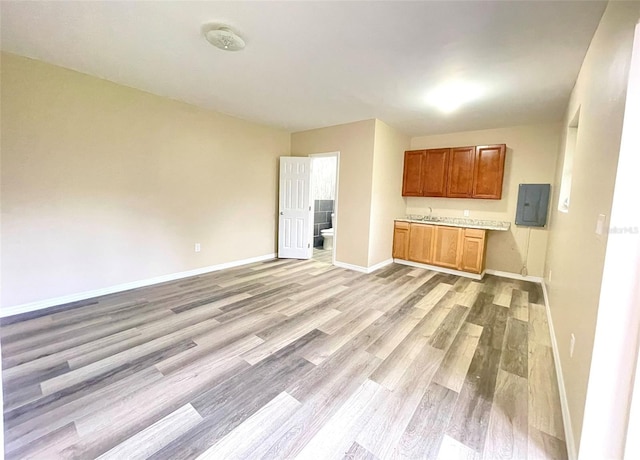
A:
[572,345]
[197,247]
[600,224]
[466,213]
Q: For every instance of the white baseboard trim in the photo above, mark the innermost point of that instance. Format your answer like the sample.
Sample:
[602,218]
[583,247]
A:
[356,268]
[514,276]
[42,304]
[361,269]
[378,266]
[564,403]
[435,268]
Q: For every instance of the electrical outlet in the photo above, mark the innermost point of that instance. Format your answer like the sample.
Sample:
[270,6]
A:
[466,213]
[572,345]
[550,273]
[197,247]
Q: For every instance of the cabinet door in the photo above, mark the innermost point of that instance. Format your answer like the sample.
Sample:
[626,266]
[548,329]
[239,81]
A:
[488,171]
[434,176]
[473,250]
[401,240]
[412,178]
[472,254]
[460,180]
[420,243]
[446,247]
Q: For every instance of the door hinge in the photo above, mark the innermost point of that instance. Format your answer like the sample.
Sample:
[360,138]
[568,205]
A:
[309,208]
[308,245]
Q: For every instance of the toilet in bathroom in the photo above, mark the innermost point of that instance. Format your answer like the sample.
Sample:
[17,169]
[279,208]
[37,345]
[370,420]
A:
[327,235]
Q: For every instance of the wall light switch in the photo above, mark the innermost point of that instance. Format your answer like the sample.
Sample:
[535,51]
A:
[466,213]
[572,345]
[197,247]
[600,224]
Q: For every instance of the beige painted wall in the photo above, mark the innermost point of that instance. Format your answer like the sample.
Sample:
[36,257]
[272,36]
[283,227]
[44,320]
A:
[103,184]
[355,143]
[575,257]
[531,158]
[387,202]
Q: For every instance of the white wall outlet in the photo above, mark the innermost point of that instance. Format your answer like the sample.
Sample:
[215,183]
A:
[466,213]
[572,345]
[197,247]
[600,224]
[550,273]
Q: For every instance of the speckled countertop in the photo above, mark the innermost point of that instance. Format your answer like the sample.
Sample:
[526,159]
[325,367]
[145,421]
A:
[459,222]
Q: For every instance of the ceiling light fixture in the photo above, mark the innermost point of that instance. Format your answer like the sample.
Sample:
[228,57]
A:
[224,38]
[451,95]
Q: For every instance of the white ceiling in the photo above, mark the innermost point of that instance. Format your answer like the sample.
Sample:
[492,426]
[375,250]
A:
[314,64]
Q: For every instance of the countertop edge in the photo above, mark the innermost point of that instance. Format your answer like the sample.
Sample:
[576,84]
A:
[453,224]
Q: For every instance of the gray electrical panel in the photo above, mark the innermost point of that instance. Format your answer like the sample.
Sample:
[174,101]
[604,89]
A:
[533,204]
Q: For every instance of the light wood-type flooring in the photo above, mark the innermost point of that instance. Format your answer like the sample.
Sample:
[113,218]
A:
[288,359]
[323,255]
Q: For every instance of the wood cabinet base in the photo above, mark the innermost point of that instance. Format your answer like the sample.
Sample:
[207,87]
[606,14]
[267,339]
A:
[435,268]
[461,250]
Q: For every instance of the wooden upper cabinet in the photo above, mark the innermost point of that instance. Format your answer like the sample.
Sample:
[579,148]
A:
[460,172]
[412,181]
[435,172]
[488,171]
[461,169]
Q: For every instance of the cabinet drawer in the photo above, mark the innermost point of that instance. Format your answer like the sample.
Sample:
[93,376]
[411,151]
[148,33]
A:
[404,225]
[474,232]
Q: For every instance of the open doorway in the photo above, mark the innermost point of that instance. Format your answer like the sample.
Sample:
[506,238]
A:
[324,196]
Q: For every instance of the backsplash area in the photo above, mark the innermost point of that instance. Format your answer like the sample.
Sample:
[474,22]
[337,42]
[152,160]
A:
[321,219]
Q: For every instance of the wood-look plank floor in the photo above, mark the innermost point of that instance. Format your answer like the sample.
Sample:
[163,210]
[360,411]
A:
[287,359]
[323,255]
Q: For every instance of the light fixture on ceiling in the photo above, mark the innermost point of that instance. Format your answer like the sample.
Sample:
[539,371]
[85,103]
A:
[451,95]
[224,38]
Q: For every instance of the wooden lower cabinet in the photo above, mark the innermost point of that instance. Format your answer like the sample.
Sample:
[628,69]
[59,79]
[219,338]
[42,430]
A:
[401,240]
[473,251]
[446,249]
[421,243]
[450,247]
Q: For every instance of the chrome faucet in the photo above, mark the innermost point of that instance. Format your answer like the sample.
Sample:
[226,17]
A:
[430,211]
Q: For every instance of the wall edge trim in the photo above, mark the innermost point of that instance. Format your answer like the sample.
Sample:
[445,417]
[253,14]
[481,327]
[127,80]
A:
[361,269]
[56,301]
[356,268]
[514,276]
[564,402]
[379,265]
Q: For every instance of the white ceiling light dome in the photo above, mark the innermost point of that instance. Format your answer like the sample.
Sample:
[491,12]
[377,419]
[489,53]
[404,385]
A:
[224,38]
[453,94]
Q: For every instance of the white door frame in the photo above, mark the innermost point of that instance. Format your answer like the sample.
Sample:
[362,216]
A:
[335,203]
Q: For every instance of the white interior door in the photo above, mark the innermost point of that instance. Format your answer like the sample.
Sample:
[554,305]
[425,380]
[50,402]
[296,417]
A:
[295,219]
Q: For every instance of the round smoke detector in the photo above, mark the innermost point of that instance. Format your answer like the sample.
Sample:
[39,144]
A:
[224,38]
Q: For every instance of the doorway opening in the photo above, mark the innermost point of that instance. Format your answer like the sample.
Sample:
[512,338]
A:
[324,196]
